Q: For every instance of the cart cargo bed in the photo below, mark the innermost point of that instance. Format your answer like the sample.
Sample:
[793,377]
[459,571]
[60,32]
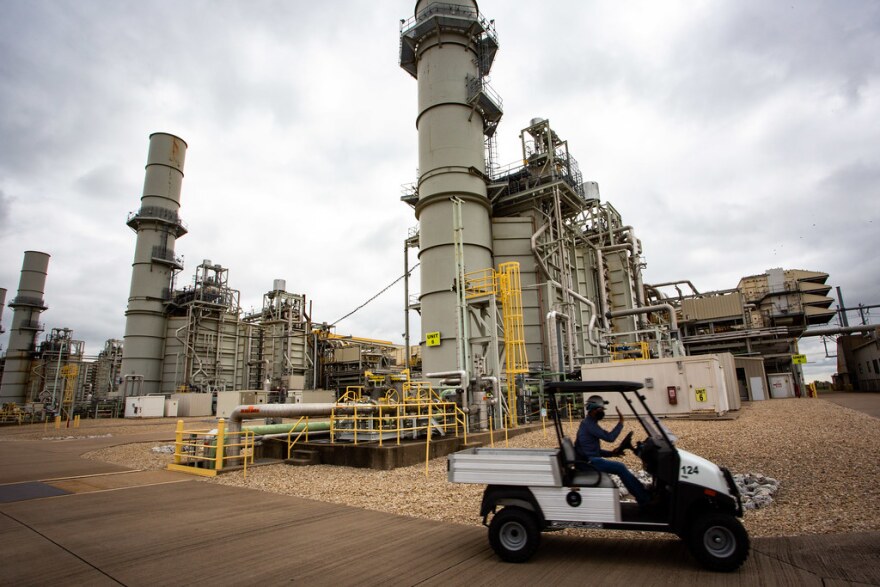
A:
[536,467]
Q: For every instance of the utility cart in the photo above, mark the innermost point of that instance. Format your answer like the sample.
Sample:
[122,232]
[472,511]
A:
[529,491]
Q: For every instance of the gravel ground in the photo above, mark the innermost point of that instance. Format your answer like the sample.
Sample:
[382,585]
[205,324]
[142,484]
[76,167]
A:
[826,457]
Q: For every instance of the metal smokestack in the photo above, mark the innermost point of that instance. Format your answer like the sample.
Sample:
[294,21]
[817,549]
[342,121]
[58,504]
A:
[2,304]
[158,226]
[449,48]
[26,306]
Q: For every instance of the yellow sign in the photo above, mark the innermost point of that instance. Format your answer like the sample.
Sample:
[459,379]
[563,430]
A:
[799,359]
[432,339]
[701,394]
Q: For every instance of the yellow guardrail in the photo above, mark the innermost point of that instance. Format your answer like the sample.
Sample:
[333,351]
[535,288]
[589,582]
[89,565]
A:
[305,430]
[11,413]
[411,418]
[206,452]
[630,351]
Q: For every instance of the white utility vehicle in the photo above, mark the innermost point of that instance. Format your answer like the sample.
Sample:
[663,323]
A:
[529,491]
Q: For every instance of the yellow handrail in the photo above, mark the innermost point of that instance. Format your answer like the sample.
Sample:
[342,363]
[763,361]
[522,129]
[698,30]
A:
[192,447]
[305,430]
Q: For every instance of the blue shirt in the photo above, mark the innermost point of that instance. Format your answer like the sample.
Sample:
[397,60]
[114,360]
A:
[589,435]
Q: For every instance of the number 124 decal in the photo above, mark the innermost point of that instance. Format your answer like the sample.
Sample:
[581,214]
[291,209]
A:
[690,470]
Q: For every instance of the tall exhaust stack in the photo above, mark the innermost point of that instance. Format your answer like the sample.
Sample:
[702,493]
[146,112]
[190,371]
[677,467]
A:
[2,305]
[449,47]
[26,306]
[158,226]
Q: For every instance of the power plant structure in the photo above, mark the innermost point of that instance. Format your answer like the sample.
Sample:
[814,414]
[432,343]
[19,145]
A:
[158,226]
[527,276]
[27,306]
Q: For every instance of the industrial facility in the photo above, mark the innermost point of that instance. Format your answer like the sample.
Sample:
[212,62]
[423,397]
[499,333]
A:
[527,276]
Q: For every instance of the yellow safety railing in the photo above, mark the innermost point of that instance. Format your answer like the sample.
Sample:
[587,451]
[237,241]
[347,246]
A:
[206,452]
[419,391]
[304,430]
[630,351]
[353,393]
[375,423]
[11,413]
[480,283]
[506,284]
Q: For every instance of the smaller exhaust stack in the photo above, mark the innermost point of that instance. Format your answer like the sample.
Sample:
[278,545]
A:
[26,306]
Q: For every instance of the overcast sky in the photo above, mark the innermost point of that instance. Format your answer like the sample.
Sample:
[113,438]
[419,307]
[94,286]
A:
[734,136]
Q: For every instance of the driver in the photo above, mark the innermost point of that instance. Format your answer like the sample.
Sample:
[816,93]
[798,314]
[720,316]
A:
[587,448]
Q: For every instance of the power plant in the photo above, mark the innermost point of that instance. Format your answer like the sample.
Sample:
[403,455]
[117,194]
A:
[527,276]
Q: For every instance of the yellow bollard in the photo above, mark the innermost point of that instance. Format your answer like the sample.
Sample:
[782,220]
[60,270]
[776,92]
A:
[221,438]
[178,442]
[428,441]
[57,422]
[491,434]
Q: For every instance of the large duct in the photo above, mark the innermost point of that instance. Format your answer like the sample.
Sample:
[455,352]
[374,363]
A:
[447,48]
[158,226]
[26,306]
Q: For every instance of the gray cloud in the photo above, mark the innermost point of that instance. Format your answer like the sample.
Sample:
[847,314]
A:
[5,205]
[723,133]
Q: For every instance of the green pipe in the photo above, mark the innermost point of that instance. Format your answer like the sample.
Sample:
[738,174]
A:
[282,428]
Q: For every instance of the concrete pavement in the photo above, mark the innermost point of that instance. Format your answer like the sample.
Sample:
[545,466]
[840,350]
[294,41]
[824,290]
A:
[110,526]
[867,402]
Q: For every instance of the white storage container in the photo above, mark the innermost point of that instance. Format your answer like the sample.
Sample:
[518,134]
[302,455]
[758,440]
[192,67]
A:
[698,384]
[193,404]
[145,406]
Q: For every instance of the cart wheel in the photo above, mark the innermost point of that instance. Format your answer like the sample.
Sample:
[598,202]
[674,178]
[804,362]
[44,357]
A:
[514,535]
[719,542]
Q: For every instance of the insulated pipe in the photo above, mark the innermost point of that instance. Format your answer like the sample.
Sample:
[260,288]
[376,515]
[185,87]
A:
[635,252]
[26,306]
[588,302]
[464,381]
[251,412]
[552,318]
[691,285]
[571,292]
[452,163]
[673,321]
[496,393]
[272,429]
[158,226]
[603,295]
[312,434]
[840,330]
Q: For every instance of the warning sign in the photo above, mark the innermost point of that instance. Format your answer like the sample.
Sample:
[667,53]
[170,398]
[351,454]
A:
[432,339]
[799,359]
[700,392]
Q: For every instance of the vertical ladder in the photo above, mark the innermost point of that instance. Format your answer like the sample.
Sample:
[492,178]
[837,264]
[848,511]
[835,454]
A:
[516,361]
